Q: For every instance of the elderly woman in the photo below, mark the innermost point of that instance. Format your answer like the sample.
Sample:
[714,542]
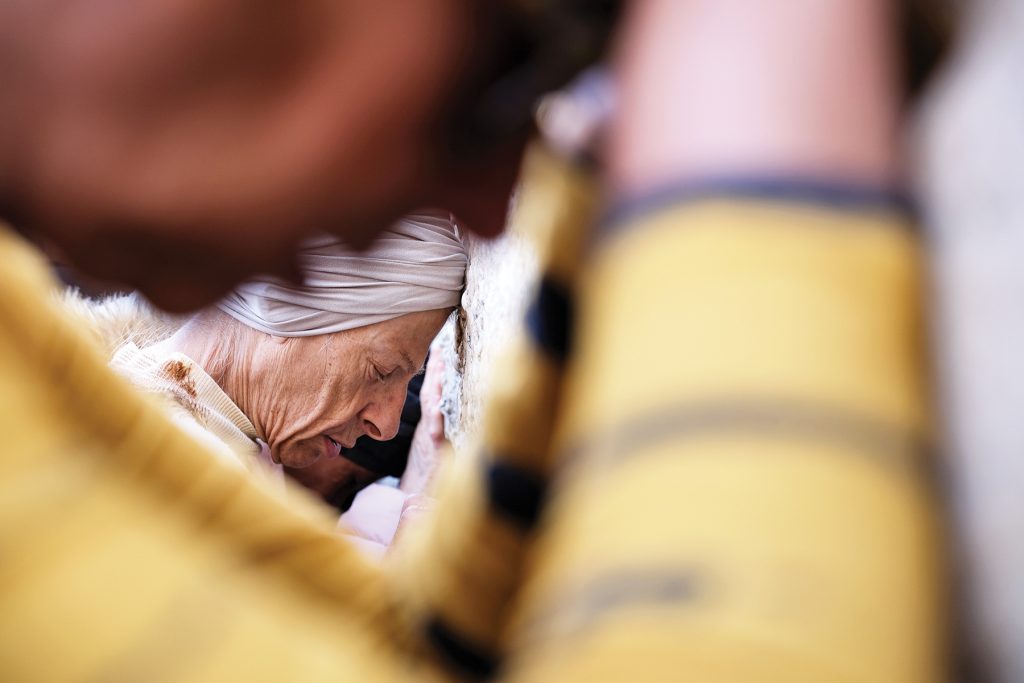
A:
[308,369]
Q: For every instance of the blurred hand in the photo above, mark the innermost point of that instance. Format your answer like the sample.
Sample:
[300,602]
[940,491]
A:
[428,451]
[178,146]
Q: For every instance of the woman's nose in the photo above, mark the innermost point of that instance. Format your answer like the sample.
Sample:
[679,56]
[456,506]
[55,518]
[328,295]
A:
[382,418]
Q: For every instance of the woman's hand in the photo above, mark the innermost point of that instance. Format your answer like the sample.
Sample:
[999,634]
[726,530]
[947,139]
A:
[428,449]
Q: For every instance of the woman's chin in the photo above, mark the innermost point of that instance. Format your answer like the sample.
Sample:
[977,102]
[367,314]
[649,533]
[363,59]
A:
[299,457]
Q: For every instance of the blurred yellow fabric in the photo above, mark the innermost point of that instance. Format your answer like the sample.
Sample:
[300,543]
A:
[130,553]
[744,494]
[733,485]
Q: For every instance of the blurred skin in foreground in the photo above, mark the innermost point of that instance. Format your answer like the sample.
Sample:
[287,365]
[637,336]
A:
[182,146]
[146,144]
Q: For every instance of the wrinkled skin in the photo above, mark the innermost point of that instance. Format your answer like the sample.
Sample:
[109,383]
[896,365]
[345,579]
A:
[310,397]
[180,146]
[337,479]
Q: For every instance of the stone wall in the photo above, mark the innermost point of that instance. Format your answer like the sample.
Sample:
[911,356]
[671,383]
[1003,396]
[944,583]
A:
[501,275]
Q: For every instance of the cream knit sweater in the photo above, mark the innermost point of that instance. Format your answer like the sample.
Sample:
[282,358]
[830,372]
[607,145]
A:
[135,335]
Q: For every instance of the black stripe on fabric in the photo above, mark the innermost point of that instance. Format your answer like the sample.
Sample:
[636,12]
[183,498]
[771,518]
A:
[467,658]
[578,607]
[515,493]
[828,194]
[890,444]
[549,319]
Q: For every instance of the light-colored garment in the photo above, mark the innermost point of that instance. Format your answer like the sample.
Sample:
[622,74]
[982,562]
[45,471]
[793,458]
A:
[119,319]
[192,399]
[373,519]
[971,148]
[419,264]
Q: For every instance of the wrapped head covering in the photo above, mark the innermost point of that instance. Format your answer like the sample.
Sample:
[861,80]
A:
[418,264]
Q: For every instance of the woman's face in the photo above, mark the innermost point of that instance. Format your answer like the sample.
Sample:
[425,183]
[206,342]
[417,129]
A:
[311,397]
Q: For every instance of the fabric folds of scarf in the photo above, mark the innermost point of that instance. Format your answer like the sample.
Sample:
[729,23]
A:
[418,264]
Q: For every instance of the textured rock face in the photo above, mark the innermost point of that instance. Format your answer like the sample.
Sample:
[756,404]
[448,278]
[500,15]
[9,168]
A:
[970,151]
[501,275]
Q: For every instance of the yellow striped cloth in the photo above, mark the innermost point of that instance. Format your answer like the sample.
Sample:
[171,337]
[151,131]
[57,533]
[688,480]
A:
[705,460]
[743,490]
[707,457]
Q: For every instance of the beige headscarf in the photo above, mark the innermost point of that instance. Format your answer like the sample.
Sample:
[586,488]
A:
[419,264]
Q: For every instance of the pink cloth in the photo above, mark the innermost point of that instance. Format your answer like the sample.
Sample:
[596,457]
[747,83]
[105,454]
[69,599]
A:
[373,518]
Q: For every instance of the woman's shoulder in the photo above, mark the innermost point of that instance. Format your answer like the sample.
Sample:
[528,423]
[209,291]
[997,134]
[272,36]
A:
[119,319]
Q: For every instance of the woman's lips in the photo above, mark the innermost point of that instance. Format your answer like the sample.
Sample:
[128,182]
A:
[335,447]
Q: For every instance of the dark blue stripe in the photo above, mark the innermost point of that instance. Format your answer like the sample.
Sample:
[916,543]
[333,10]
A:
[468,658]
[829,194]
[516,494]
[898,447]
[577,607]
[549,319]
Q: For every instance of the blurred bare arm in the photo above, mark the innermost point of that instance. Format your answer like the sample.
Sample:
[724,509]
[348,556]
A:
[791,87]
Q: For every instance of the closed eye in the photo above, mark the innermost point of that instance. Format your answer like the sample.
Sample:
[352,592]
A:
[377,373]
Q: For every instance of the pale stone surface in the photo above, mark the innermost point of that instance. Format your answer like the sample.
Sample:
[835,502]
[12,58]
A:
[501,275]
[971,146]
